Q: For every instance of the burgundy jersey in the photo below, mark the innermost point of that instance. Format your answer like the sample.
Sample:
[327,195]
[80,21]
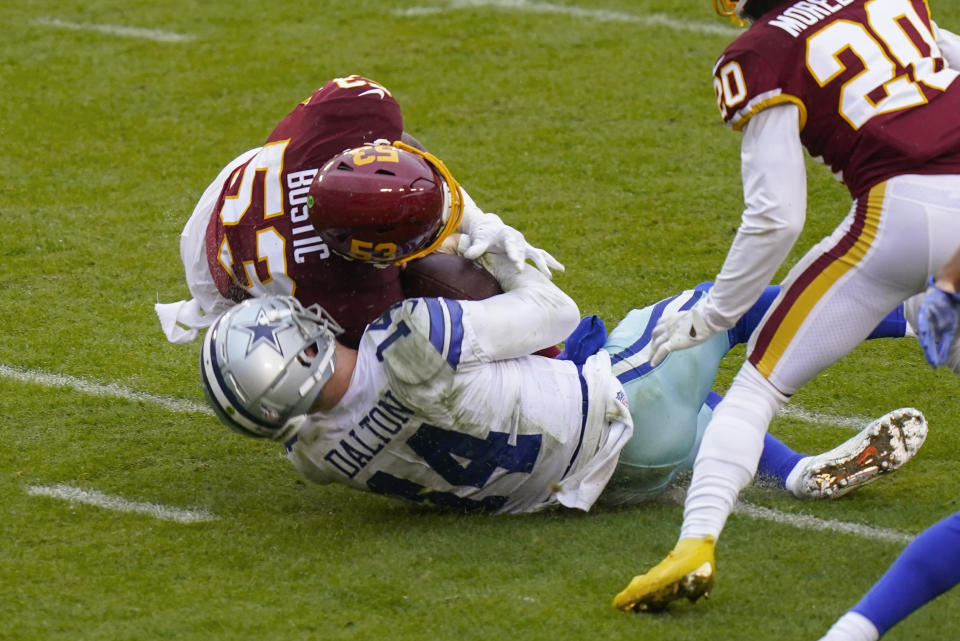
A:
[875,95]
[259,239]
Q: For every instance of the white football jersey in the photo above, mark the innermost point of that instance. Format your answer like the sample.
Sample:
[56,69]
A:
[439,409]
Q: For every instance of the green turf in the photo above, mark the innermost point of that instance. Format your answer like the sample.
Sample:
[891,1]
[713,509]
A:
[599,139]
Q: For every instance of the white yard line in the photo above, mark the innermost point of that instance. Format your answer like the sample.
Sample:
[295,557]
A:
[851,422]
[92,497]
[156,35]
[677,494]
[110,390]
[113,390]
[807,522]
[579,13]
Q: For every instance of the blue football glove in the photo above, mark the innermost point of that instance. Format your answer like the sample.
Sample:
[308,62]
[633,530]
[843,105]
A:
[937,323]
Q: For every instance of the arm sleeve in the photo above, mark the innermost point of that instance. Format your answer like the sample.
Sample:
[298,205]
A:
[775,199]
[530,315]
[949,44]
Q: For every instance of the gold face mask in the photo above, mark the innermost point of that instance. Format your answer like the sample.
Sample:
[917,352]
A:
[456,202]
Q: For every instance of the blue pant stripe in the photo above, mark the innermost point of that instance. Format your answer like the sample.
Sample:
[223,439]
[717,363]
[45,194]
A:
[456,331]
[583,419]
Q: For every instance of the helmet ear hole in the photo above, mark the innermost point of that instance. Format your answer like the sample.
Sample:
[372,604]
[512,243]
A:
[306,355]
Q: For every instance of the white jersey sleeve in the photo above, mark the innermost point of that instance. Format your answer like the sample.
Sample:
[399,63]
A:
[532,314]
[775,196]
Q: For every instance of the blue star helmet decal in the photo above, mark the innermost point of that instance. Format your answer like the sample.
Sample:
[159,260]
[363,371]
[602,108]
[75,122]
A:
[262,332]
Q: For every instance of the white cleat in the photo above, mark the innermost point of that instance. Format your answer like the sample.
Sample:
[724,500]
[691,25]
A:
[880,448]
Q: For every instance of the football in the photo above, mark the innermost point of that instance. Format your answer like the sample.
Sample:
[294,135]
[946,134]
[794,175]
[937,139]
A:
[447,276]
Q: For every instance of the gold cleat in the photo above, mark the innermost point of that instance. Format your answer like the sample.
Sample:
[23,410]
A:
[687,572]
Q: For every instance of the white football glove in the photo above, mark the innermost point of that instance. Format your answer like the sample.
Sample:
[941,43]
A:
[678,331]
[503,239]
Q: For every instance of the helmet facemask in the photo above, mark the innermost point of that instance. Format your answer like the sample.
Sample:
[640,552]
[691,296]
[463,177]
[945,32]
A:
[452,203]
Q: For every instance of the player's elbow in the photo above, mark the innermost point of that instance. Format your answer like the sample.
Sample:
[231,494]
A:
[792,226]
[567,313]
[783,222]
[559,312]
[787,228]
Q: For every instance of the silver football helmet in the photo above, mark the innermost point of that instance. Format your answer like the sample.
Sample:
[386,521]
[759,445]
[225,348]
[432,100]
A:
[264,363]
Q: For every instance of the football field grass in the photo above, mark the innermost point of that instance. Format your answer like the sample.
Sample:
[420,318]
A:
[129,512]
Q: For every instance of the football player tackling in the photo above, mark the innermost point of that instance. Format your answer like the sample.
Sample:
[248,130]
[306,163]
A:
[870,88]
[255,230]
[441,403]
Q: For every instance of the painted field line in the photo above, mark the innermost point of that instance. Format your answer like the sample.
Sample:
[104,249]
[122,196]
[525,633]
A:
[156,35]
[110,390]
[807,522]
[851,422]
[580,13]
[113,390]
[98,499]
[677,494]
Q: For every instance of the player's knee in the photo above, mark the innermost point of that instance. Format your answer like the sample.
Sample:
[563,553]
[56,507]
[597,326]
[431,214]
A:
[632,484]
[660,446]
[751,394]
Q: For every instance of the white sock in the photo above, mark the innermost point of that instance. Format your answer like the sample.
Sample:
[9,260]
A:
[911,310]
[852,626]
[712,496]
[729,453]
[793,478]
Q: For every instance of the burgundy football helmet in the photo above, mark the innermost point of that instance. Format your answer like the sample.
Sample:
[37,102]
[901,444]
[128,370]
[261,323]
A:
[383,203]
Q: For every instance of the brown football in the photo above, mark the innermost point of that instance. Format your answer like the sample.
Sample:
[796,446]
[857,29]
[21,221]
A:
[447,276]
